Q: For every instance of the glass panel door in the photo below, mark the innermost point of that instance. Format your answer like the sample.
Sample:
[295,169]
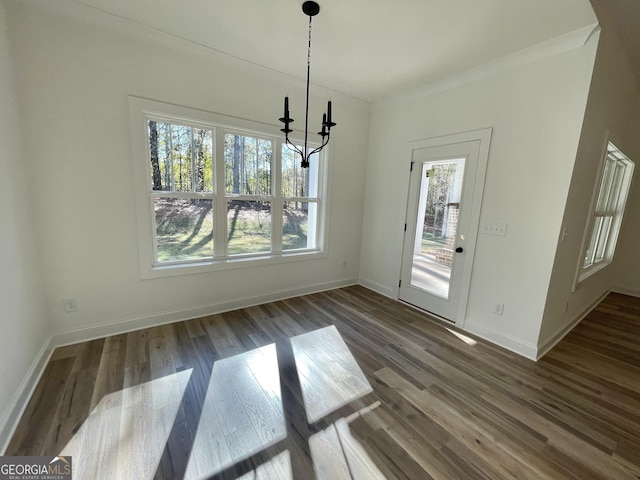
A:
[441,225]
[437,225]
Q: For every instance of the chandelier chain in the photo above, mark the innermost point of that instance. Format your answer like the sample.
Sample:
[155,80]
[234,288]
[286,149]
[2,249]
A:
[309,47]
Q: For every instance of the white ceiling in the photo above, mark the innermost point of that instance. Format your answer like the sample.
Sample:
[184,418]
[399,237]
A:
[368,49]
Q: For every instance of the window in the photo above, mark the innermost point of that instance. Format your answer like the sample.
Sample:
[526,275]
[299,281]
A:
[214,193]
[181,185]
[602,232]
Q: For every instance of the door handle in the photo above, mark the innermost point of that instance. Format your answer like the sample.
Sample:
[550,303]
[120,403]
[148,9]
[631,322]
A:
[459,250]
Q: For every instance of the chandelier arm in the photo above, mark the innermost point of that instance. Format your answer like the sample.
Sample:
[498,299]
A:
[294,147]
[325,141]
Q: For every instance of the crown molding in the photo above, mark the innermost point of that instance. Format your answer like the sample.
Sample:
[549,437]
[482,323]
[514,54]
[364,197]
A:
[564,43]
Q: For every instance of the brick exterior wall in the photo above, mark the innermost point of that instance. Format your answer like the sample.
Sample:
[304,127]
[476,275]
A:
[445,255]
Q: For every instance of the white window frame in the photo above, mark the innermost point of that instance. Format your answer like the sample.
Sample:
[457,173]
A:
[141,111]
[607,207]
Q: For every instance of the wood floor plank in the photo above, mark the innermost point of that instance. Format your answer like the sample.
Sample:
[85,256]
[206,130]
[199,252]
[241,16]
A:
[38,417]
[476,439]
[110,376]
[444,404]
[330,462]
[74,408]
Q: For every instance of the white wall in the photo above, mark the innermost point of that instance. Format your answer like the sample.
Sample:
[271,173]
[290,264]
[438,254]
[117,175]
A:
[536,112]
[613,106]
[626,132]
[75,75]
[22,315]
[626,278]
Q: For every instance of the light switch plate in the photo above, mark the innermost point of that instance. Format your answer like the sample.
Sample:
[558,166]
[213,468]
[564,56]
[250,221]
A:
[493,228]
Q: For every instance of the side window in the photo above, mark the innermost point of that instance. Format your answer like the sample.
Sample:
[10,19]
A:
[602,230]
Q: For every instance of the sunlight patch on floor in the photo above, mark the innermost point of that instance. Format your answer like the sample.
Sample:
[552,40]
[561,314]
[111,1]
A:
[468,340]
[126,433]
[241,414]
[338,455]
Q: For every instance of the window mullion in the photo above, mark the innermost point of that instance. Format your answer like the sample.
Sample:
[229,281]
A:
[194,195]
[172,176]
[194,187]
[276,192]
[300,199]
[250,198]
[154,227]
[220,202]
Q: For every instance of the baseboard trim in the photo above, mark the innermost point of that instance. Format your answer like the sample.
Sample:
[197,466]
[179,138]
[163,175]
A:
[626,291]
[161,318]
[551,341]
[22,395]
[514,344]
[378,288]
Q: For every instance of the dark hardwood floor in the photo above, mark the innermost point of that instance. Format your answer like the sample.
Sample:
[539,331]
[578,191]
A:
[443,405]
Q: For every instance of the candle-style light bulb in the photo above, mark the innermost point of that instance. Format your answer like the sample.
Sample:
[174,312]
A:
[329,112]
[286,107]
[323,133]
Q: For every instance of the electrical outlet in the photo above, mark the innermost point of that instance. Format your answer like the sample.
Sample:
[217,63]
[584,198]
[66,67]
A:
[344,264]
[498,308]
[70,305]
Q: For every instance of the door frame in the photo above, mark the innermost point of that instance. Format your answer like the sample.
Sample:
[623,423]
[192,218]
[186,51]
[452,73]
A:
[484,137]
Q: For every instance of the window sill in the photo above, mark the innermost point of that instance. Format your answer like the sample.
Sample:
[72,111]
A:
[591,270]
[163,271]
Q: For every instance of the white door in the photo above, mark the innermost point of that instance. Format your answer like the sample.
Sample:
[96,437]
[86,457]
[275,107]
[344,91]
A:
[445,191]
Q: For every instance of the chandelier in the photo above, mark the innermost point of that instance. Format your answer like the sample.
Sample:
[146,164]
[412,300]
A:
[311,9]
